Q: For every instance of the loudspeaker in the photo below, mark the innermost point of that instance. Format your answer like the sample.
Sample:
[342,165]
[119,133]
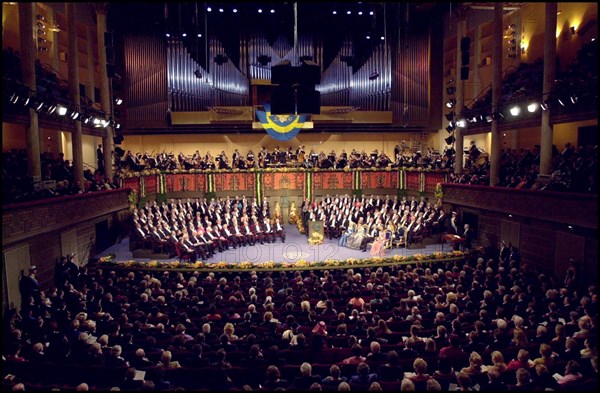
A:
[282,101]
[309,101]
[282,74]
[464,58]
[108,39]
[464,73]
[465,44]
[110,70]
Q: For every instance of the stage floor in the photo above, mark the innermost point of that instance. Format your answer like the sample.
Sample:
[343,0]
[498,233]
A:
[295,248]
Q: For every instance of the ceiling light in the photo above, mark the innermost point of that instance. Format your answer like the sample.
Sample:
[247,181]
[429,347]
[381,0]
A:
[184,35]
[168,35]
[371,13]
[272,11]
[382,38]
[532,107]
[334,12]
[368,37]
[515,110]
[235,10]
[260,10]
[199,35]
[209,9]
[221,10]
[360,13]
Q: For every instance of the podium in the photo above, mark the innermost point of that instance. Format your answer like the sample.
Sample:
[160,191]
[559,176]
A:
[452,239]
[316,226]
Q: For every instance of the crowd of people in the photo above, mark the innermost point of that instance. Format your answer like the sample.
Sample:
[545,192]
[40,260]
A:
[198,228]
[18,187]
[403,156]
[489,323]
[376,220]
[573,169]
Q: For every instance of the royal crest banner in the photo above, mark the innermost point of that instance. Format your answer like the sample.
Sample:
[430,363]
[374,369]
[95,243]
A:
[280,127]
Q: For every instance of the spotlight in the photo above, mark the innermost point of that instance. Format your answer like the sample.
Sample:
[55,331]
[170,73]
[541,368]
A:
[221,10]
[168,35]
[450,116]
[334,12]
[561,102]
[544,106]
[118,101]
[118,125]
[574,99]
[272,11]
[235,10]
[96,121]
[27,101]
[349,12]
[515,110]
[450,90]
[208,9]
[532,107]
[39,106]
[184,35]
[104,123]
[488,118]
[199,35]
[61,110]
[260,10]
[450,128]
[14,98]
[74,114]
[51,109]
[450,140]
[360,12]
[86,119]
[462,123]
[451,103]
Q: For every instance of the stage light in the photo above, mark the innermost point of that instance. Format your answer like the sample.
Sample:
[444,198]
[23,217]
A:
[260,10]
[450,140]
[74,115]
[462,123]
[118,101]
[221,10]
[450,90]
[61,110]
[451,103]
[209,9]
[96,121]
[104,123]
[118,125]
[184,35]
[51,109]
[561,102]
[86,119]
[488,118]
[272,11]
[450,116]
[360,12]
[515,110]
[497,115]
[334,12]
[235,10]
[544,106]
[14,98]
[532,107]
[450,128]
[574,99]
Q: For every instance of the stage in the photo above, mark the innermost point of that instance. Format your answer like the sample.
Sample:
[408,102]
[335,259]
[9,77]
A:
[295,248]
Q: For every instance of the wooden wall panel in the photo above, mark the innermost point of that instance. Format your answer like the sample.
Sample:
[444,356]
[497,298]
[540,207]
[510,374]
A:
[538,247]
[489,231]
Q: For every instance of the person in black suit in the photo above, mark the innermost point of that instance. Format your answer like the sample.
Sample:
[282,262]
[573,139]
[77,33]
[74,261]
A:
[468,235]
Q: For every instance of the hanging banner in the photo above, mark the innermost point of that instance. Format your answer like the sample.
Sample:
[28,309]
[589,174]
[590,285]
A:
[308,185]
[258,186]
[281,127]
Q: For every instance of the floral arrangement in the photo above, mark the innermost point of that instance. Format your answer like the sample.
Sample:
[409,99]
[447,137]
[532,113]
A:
[109,261]
[108,258]
[315,239]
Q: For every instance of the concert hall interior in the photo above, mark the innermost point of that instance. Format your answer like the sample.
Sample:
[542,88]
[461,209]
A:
[300,196]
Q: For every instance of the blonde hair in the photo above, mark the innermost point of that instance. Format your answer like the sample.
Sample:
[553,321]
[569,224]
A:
[420,366]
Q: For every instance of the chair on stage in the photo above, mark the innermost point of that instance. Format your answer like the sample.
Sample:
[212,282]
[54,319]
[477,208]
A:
[182,255]
[388,245]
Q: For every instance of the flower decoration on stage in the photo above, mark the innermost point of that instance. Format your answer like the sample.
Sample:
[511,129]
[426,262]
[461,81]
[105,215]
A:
[315,239]
[107,258]
[280,127]
[436,257]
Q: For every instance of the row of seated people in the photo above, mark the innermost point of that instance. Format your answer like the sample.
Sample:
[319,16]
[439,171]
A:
[455,310]
[357,222]
[403,156]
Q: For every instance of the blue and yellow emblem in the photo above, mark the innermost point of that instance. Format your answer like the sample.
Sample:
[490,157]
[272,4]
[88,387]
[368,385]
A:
[281,127]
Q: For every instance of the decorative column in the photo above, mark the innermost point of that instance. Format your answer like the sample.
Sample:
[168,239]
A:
[105,89]
[549,74]
[73,62]
[496,93]
[461,31]
[28,57]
